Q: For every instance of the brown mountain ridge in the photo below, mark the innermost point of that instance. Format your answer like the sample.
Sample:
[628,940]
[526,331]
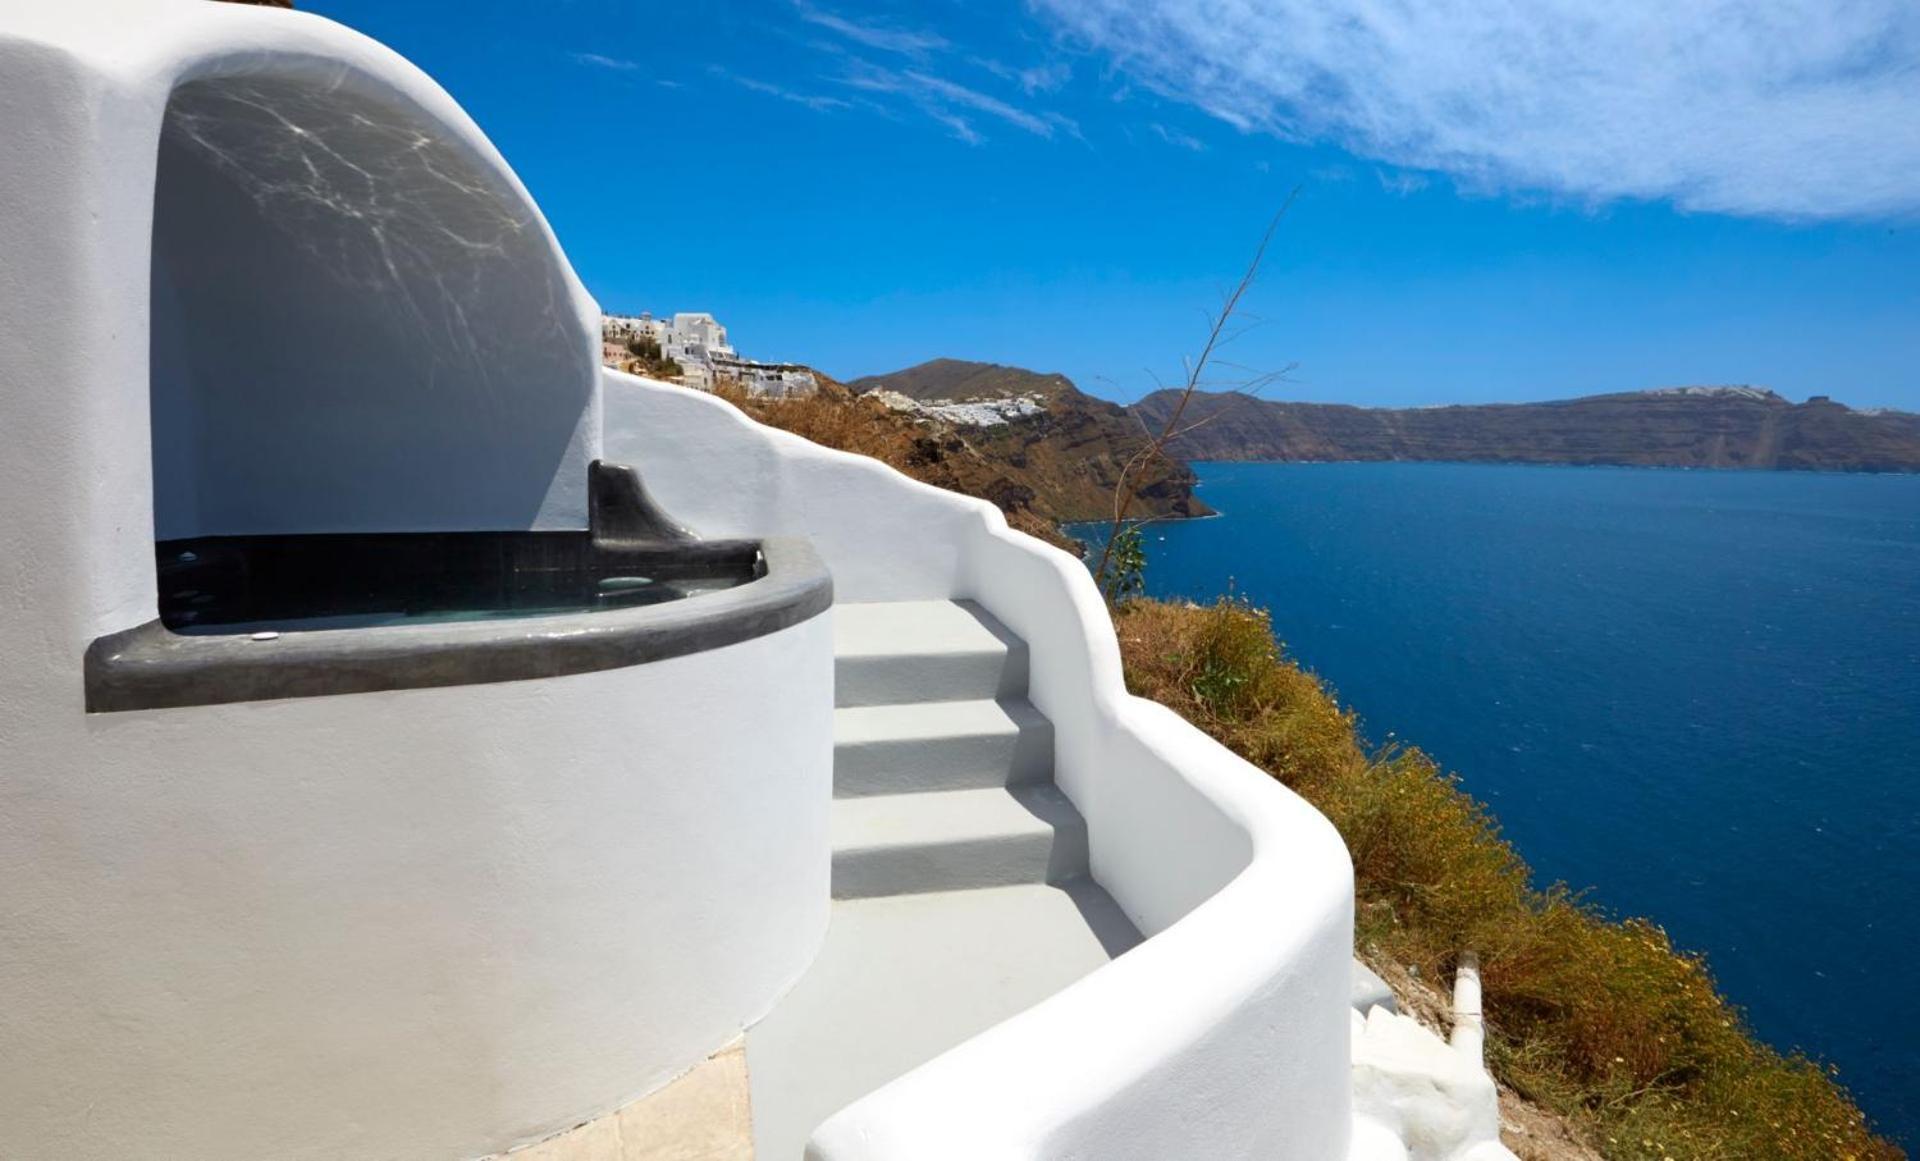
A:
[1690,427]
[1065,459]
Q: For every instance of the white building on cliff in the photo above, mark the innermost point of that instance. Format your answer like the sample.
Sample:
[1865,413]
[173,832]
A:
[698,344]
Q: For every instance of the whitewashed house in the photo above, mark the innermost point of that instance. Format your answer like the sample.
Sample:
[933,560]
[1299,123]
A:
[699,337]
[388,772]
[775,380]
[643,326]
[698,344]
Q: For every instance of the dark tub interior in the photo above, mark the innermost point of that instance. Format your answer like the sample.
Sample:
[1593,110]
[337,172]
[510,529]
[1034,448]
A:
[250,584]
[631,554]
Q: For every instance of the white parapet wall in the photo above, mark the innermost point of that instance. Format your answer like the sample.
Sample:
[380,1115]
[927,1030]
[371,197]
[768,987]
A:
[1224,1035]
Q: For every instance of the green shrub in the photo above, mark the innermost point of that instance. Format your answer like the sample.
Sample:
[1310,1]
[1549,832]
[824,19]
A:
[1122,574]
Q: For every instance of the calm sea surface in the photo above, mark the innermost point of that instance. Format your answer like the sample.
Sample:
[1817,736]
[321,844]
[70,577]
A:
[1697,693]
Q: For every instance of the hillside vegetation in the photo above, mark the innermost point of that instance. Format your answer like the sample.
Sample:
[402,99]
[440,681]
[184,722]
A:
[1692,427]
[932,453]
[1070,455]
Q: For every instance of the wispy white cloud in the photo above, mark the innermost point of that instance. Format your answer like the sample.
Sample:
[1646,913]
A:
[949,103]
[922,84]
[1034,79]
[1044,78]
[1401,182]
[1791,108]
[958,126]
[951,93]
[907,42]
[814,101]
[617,64]
[1175,137]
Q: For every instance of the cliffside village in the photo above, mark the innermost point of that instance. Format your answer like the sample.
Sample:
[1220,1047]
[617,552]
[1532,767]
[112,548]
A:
[691,348]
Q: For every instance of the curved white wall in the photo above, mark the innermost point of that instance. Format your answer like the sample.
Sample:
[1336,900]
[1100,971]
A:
[420,924]
[1226,1033]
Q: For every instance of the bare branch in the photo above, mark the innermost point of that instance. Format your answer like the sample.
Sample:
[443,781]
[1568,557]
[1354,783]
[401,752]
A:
[1125,491]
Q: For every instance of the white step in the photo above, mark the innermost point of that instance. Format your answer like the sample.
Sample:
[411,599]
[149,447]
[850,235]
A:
[896,652]
[939,745]
[904,844]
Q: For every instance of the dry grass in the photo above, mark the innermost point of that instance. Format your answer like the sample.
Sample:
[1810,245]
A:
[837,418]
[1602,1021]
[832,417]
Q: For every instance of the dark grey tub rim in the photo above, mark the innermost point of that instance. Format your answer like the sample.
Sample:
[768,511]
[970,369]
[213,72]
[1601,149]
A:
[150,667]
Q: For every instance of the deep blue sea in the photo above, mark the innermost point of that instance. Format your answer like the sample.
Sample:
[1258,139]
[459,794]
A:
[1695,693]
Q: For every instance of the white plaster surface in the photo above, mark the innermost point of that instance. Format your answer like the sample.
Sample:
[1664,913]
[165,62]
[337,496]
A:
[895,652]
[902,978]
[1224,1034]
[422,924]
[356,325]
[894,749]
[430,923]
[1369,990]
[1431,1096]
[931,840]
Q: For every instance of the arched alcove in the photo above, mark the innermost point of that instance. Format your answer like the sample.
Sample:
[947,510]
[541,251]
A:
[358,324]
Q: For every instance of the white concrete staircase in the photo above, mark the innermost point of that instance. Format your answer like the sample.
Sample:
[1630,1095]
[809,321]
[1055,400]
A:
[959,870]
[942,770]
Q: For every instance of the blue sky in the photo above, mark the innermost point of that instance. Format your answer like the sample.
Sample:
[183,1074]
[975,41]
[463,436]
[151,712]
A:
[1611,196]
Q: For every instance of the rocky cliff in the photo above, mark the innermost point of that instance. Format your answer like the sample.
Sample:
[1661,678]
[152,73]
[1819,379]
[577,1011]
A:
[1058,447]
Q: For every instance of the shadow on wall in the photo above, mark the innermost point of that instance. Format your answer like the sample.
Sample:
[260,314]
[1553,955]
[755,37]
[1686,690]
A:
[356,326]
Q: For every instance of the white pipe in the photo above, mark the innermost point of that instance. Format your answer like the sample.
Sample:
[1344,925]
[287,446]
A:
[1469,1024]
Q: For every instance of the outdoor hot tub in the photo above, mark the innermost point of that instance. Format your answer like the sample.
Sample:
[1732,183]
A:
[248,618]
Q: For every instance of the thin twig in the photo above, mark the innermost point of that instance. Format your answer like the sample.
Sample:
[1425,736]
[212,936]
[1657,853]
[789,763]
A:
[1125,488]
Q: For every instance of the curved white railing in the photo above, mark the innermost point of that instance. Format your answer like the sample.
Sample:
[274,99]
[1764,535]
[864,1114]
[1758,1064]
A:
[1223,1035]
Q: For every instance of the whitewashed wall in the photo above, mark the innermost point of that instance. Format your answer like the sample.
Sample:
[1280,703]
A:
[1226,1033]
[420,924]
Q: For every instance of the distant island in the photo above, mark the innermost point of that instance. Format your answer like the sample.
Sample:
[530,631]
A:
[1680,427]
